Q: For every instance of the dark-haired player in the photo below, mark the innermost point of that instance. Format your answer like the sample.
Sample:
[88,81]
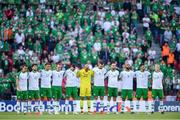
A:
[71,88]
[57,78]
[142,77]
[45,91]
[113,77]
[22,93]
[127,76]
[99,89]
[33,92]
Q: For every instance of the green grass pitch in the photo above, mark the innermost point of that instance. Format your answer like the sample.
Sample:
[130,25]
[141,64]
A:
[62,116]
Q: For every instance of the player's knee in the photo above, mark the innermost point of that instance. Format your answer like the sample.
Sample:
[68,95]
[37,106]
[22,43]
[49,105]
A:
[123,99]
[95,97]
[81,98]
[138,98]
[145,99]
[88,98]
[101,97]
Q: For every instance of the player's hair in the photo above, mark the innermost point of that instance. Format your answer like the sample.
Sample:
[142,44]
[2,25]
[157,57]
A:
[58,63]
[47,63]
[101,62]
[34,64]
[142,64]
[72,65]
[113,62]
[23,65]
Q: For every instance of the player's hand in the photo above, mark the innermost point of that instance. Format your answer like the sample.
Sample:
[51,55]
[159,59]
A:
[18,88]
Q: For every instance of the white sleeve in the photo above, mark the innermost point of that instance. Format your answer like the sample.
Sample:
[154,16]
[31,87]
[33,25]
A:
[65,73]
[107,74]
[120,75]
[105,71]
[134,74]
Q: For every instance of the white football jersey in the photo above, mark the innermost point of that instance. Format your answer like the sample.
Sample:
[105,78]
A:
[157,80]
[23,78]
[57,77]
[71,79]
[113,77]
[127,79]
[46,79]
[142,79]
[99,76]
[34,80]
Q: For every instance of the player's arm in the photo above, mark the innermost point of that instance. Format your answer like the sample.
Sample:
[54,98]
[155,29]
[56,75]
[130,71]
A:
[41,72]
[92,73]
[78,74]
[106,75]
[64,74]
[28,79]
[120,76]
[149,75]
[17,82]
[105,72]
[151,79]
[135,75]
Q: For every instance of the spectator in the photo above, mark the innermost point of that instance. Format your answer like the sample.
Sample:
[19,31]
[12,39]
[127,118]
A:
[165,52]
[146,21]
[152,54]
[167,35]
[97,46]
[171,59]
[19,38]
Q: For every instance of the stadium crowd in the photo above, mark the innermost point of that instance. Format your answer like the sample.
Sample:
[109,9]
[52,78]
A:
[81,31]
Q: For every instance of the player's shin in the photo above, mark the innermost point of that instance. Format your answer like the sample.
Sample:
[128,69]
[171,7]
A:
[81,105]
[161,106]
[29,106]
[152,106]
[95,104]
[89,105]
[137,105]
[147,106]
[49,106]
[66,106]
[55,107]
[37,106]
[75,106]
[24,106]
[122,106]
[102,105]
[131,106]
[108,107]
[115,104]
[41,107]
[18,107]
